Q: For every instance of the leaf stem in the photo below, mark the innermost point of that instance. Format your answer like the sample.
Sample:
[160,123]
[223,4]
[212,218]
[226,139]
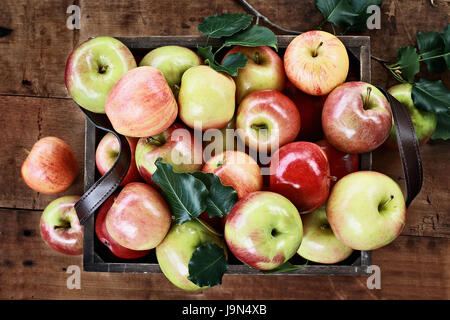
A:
[435,57]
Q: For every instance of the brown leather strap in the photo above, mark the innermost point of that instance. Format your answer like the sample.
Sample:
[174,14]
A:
[408,147]
[93,198]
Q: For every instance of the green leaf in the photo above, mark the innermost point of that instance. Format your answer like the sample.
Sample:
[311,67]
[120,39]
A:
[285,267]
[431,96]
[185,194]
[206,54]
[360,7]
[207,265]
[224,25]
[407,62]
[253,37]
[338,12]
[443,127]
[221,198]
[446,38]
[231,64]
[431,45]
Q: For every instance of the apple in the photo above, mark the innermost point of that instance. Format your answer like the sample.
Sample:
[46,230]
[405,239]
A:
[316,62]
[206,98]
[140,218]
[172,61]
[60,228]
[236,169]
[356,117]
[263,230]
[310,108]
[424,122]
[50,167]
[366,210]
[264,70]
[176,146]
[93,68]
[267,119]
[300,171]
[107,152]
[319,243]
[176,250]
[141,103]
[104,237]
[340,163]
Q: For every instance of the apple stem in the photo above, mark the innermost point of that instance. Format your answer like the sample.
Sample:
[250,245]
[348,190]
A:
[367,98]
[315,52]
[257,57]
[26,150]
[383,205]
[332,178]
[154,141]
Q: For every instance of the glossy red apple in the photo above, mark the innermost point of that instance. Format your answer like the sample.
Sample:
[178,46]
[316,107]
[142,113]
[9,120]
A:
[341,163]
[141,103]
[51,166]
[300,171]
[267,119]
[105,238]
[356,117]
[140,218]
[107,152]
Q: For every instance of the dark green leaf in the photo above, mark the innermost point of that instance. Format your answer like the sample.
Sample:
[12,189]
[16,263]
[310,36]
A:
[285,267]
[253,37]
[360,7]
[446,38]
[431,96]
[408,62]
[231,64]
[224,25]
[338,12]
[431,45]
[221,198]
[206,54]
[443,127]
[185,194]
[207,265]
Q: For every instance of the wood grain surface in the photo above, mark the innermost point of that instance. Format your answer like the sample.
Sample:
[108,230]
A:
[35,103]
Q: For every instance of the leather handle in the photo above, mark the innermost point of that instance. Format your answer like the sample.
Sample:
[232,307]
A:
[408,147]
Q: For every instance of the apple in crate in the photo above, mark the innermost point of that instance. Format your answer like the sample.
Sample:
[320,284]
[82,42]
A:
[176,146]
[50,167]
[176,250]
[366,210]
[263,230]
[141,103]
[356,117]
[93,68]
[107,152]
[206,98]
[300,171]
[172,61]
[319,243]
[60,227]
[316,62]
[264,70]
[267,119]
[104,237]
[140,218]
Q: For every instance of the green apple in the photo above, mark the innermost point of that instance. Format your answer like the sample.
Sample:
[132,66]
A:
[366,210]
[206,98]
[424,122]
[319,243]
[172,61]
[176,250]
[93,68]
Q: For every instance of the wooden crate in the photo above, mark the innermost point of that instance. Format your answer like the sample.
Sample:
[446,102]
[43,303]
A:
[98,258]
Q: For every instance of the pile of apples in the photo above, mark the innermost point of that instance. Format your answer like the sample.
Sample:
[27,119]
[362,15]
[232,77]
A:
[308,199]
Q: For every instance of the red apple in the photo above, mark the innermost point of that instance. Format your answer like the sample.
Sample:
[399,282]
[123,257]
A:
[176,146]
[140,218]
[300,171]
[264,70]
[107,152]
[105,238]
[310,108]
[316,62]
[141,103]
[236,169]
[50,167]
[341,163]
[267,119]
[356,117]
[60,227]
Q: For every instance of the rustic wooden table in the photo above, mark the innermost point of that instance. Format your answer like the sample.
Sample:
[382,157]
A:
[34,103]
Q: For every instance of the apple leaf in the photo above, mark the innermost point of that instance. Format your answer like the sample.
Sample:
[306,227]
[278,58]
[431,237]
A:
[206,54]
[224,25]
[207,265]
[407,63]
[285,267]
[446,38]
[360,7]
[338,12]
[431,96]
[253,37]
[431,47]
[221,198]
[443,127]
[185,194]
[231,64]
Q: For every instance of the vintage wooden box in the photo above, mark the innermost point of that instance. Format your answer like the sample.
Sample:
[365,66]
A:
[97,257]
